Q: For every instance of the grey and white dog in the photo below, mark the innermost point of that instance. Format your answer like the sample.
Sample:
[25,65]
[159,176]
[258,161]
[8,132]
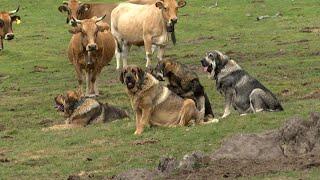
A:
[242,91]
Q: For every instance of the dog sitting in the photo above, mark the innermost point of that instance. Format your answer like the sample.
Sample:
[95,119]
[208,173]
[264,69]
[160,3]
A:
[81,111]
[243,92]
[185,83]
[155,104]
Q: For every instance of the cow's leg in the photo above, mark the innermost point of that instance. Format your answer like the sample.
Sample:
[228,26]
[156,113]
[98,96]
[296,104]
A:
[79,77]
[93,78]
[125,52]
[88,77]
[148,49]
[160,53]
[96,74]
[118,54]
[1,43]
[154,48]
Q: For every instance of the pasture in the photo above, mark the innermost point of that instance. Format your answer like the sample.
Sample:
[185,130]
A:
[282,52]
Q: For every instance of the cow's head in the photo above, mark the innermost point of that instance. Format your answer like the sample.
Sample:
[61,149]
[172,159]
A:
[89,29]
[6,20]
[170,11]
[74,8]
[70,7]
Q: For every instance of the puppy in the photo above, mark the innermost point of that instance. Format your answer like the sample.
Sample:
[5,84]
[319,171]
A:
[185,83]
[155,104]
[81,111]
[243,92]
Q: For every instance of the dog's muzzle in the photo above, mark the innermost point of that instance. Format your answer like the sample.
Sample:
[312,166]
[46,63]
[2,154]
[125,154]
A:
[130,82]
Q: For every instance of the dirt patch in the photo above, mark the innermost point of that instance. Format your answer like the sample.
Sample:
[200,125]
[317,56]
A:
[294,146]
[313,95]
[236,55]
[46,122]
[39,69]
[200,40]
[310,30]
[294,42]
[145,141]
[190,56]
[257,1]
[4,160]
[7,137]
[2,127]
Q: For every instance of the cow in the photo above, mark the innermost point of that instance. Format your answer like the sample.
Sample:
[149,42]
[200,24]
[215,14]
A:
[6,20]
[148,25]
[75,8]
[91,47]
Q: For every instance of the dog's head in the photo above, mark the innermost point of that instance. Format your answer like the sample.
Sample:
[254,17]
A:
[63,102]
[213,61]
[164,68]
[133,77]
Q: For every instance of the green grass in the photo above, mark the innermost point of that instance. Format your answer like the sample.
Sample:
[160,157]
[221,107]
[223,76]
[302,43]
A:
[259,47]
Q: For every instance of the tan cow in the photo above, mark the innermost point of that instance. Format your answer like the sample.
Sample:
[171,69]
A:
[91,48]
[75,8]
[6,20]
[148,25]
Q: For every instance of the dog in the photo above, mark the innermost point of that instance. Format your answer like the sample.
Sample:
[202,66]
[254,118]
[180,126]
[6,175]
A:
[185,83]
[242,91]
[81,111]
[155,104]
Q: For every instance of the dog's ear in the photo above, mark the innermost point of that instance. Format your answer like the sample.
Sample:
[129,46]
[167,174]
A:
[141,75]
[121,77]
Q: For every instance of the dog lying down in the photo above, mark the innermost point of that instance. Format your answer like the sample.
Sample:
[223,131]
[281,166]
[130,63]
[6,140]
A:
[242,91]
[81,111]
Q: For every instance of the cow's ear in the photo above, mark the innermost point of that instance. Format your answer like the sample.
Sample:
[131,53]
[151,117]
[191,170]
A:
[83,8]
[182,3]
[160,5]
[1,23]
[103,27]
[15,18]
[75,30]
[63,8]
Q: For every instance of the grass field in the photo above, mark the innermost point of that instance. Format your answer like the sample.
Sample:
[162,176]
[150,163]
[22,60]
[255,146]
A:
[274,50]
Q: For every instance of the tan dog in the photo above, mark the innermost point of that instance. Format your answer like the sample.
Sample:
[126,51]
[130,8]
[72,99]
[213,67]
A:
[81,111]
[155,104]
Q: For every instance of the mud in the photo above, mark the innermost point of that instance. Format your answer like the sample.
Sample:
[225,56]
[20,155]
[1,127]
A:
[39,69]
[310,30]
[145,141]
[2,127]
[200,40]
[294,146]
[313,95]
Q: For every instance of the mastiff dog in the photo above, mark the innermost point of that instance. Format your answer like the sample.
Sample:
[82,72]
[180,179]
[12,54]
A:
[242,91]
[155,104]
[185,83]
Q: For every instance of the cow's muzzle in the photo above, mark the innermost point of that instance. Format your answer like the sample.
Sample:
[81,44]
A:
[9,36]
[92,47]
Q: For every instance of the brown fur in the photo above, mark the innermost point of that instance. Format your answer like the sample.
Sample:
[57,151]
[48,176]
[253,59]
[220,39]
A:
[81,111]
[80,57]
[6,20]
[143,24]
[87,10]
[73,8]
[155,104]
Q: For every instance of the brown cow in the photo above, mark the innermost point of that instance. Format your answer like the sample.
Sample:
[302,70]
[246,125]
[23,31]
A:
[91,48]
[6,20]
[75,8]
[148,25]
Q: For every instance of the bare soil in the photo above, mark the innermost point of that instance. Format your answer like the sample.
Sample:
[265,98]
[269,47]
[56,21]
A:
[294,146]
